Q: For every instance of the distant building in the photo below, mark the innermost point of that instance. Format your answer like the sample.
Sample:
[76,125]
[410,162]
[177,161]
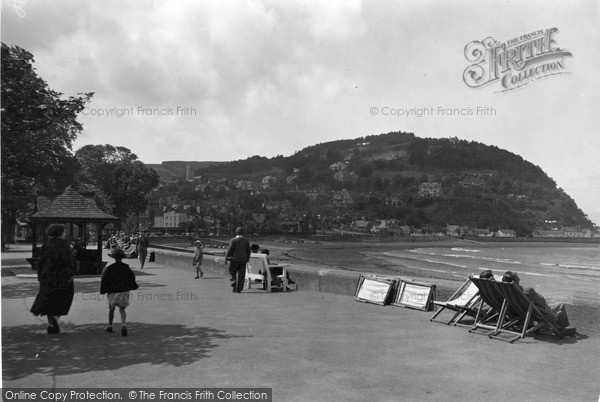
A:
[361,226]
[566,232]
[404,230]
[277,205]
[547,233]
[505,233]
[480,233]
[396,201]
[338,166]
[312,194]
[290,179]
[268,180]
[244,185]
[453,230]
[382,227]
[576,232]
[473,183]
[170,219]
[430,190]
[343,175]
[342,197]
[204,187]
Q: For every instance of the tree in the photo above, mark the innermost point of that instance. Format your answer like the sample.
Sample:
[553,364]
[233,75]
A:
[119,174]
[38,130]
[364,170]
[418,152]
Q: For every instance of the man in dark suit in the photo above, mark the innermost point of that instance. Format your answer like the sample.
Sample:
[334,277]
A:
[238,255]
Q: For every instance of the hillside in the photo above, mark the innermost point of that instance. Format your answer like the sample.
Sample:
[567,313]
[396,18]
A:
[420,182]
[173,170]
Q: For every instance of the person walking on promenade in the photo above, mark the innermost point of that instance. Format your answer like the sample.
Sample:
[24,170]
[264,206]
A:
[198,258]
[142,248]
[238,254]
[117,280]
[55,274]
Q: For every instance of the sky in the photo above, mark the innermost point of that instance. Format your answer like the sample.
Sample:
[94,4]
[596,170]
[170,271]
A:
[226,80]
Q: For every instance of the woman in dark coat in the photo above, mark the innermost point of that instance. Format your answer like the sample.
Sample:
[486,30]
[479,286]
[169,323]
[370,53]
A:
[55,275]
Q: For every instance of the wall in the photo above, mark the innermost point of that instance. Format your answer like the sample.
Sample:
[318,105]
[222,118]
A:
[307,277]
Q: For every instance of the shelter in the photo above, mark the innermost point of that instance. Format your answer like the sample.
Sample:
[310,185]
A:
[83,221]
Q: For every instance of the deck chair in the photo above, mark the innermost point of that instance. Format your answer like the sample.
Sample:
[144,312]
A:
[463,302]
[530,315]
[261,274]
[500,317]
[131,252]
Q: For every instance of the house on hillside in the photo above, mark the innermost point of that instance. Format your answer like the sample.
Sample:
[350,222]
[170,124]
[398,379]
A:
[244,185]
[338,166]
[267,181]
[277,205]
[382,227]
[505,233]
[204,187]
[575,232]
[454,230]
[361,226]
[404,230]
[344,175]
[342,197]
[170,219]
[312,194]
[290,226]
[290,179]
[472,183]
[430,190]
[395,201]
[547,233]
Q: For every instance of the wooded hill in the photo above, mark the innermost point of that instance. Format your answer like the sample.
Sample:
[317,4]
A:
[471,184]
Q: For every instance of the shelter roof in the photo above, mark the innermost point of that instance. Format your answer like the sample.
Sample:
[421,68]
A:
[70,205]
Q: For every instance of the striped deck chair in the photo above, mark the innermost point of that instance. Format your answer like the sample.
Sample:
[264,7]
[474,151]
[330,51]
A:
[500,317]
[463,302]
[530,315]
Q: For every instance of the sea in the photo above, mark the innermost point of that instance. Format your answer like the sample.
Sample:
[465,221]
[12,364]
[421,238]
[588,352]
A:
[562,273]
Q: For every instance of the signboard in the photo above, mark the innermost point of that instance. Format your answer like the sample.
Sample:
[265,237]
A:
[415,295]
[374,290]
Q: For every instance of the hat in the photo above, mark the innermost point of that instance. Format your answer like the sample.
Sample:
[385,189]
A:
[197,242]
[117,254]
[239,231]
[487,274]
[510,277]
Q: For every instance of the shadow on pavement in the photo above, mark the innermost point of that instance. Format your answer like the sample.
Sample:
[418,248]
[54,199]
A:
[27,349]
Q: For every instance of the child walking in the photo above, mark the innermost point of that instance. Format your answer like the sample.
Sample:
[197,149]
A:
[117,280]
[198,257]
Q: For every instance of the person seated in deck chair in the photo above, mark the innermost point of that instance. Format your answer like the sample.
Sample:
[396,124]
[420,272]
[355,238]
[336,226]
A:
[487,274]
[556,313]
[277,281]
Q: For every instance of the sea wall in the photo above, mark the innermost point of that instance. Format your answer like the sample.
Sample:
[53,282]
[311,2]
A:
[308,278]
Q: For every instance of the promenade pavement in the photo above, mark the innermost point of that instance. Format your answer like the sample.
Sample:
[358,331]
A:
[305,345]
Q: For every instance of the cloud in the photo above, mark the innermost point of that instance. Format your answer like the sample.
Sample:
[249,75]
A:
[271,77]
